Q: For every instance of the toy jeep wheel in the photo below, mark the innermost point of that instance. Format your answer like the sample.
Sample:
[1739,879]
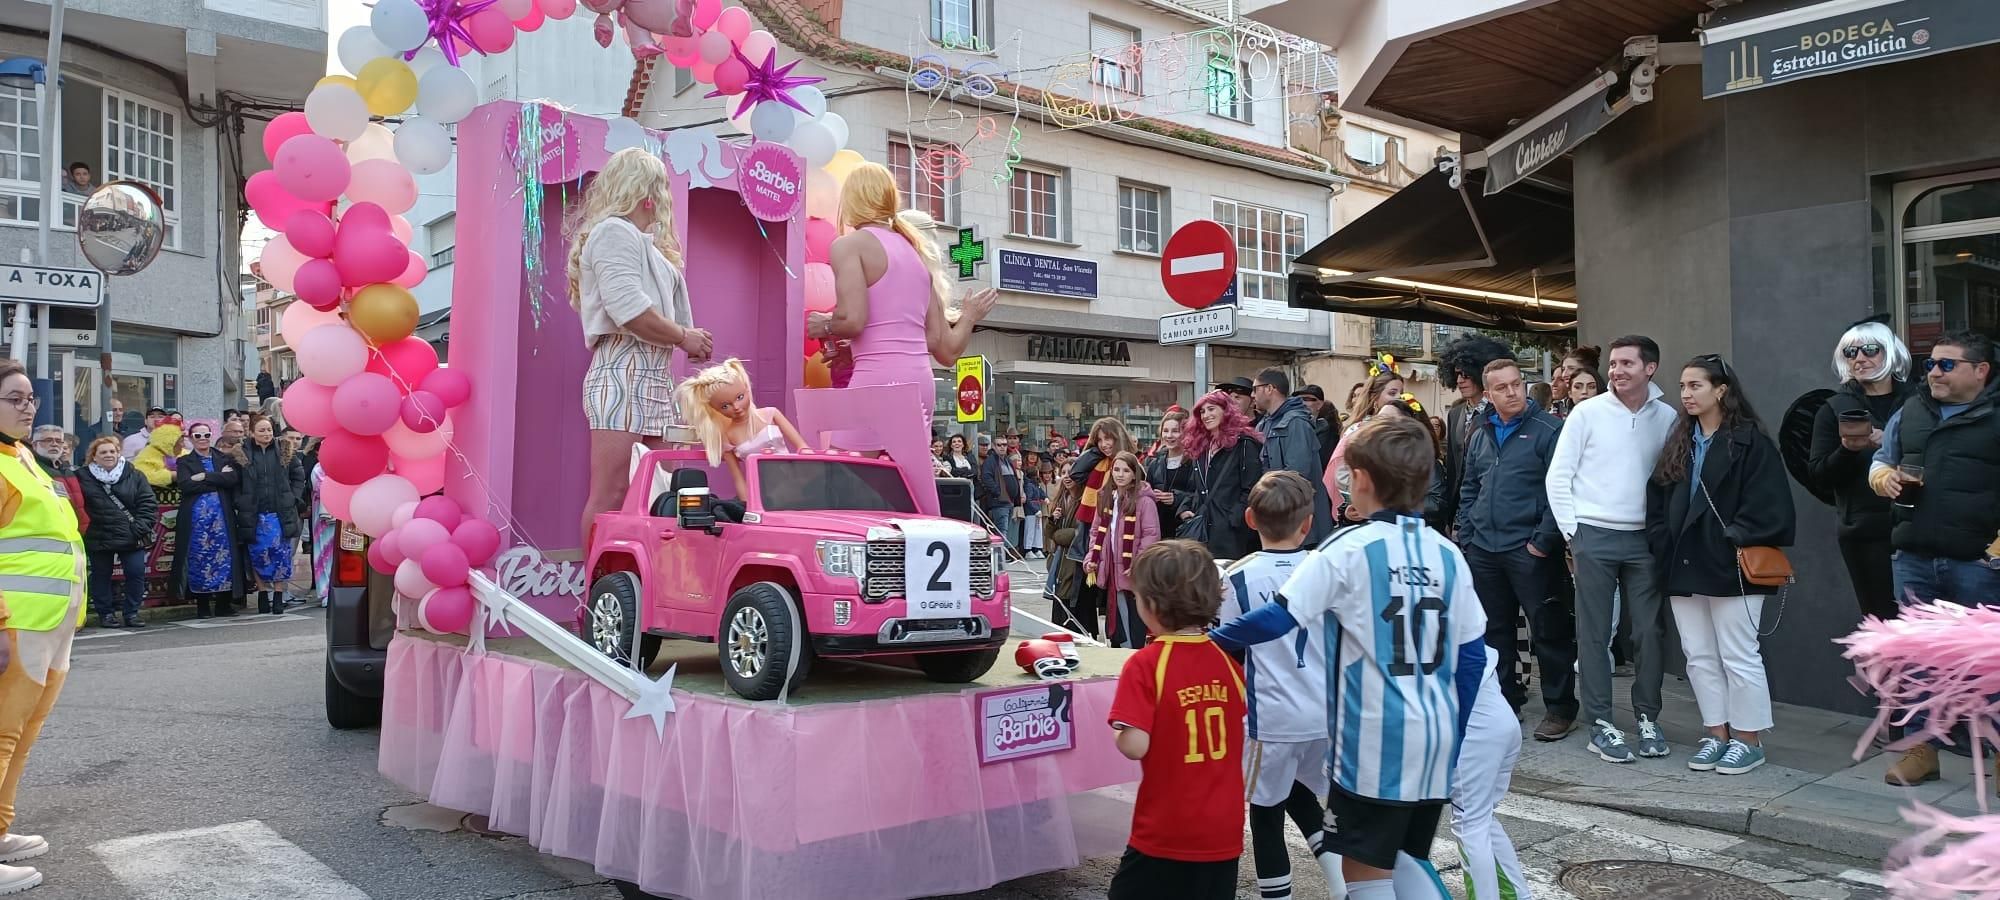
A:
[957,668]
[756,640]
[613,615]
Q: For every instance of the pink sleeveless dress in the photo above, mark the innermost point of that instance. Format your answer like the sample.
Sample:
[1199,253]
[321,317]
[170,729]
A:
[892,348]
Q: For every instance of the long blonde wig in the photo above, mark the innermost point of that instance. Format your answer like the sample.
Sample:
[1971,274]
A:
[705,419]
[629,179]
[870,197]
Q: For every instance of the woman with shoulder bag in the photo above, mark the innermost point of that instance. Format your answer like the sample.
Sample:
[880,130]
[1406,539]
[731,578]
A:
[1718,507]
[1229,458]
[123,514]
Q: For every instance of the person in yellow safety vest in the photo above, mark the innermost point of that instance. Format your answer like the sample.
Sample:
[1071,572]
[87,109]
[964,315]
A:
[41,607]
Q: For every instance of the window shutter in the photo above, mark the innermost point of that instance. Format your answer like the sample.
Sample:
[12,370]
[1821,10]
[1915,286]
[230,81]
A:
[1105,36]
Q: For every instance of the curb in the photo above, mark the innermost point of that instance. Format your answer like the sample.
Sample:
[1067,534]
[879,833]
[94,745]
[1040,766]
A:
[1774,820]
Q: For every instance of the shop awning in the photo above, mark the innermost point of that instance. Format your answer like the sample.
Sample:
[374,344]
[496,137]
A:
[1449,255]
[1762,43]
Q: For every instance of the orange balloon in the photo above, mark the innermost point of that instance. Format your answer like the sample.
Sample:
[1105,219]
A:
[817,374]
[383,313]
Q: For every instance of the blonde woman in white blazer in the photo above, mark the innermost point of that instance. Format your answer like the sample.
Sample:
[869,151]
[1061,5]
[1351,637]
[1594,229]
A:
[626,284]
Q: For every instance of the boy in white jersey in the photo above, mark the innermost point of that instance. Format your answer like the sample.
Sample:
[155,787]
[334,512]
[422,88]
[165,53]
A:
[1286,681]
[1405,657]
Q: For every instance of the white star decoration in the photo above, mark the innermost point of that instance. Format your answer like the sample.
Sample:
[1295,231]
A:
[655,699]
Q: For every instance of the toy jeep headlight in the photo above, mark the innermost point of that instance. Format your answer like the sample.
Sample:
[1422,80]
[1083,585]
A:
[842,559]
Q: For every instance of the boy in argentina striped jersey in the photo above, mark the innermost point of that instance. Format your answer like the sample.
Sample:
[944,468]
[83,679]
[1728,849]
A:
[1404,658]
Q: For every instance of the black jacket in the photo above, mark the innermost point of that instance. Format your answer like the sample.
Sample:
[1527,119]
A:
[224,481]
[1223,493]
[1502,502]
[273,481]
[1959,511]
[1290,444]
[969,471]
[1745,477]
[1863,513]
[124,524]
[1459,419]
[1174,490]
[998,487]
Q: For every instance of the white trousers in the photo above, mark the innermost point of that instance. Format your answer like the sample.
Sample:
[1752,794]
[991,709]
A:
[1485,768]
[1725,667]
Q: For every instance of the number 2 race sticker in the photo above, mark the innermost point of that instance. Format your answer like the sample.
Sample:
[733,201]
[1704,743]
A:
[937,569]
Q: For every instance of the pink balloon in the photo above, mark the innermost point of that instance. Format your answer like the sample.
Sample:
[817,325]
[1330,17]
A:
[478,538]
[282,129]
[414,273]
[758,45]
[375,501]
[353,459]
[272,203]
[731,75]
[450,385]
[336,497]
[367,404]
[310,232]
[410,582]
[490,30]
[819,287]
[318,284]
[331,354]
[392,549]
[657,16]
[419,535]
[279,263]
[424,472]
[819,240]
[312,168]
[735,22]
[385,182]
[400,227]
[558,9]
[367,216]
[403,514]
[300,318]
[442,510]
[309,408]
[447,610]
[445,565]
[681,51]
[379,558]
[532,22]
[703,72]
[368,255]
[713,47]
[412,445]
[705,12]
[404,362]
[423,411]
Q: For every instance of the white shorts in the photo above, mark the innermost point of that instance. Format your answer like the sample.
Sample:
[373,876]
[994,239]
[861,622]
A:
[1272,767]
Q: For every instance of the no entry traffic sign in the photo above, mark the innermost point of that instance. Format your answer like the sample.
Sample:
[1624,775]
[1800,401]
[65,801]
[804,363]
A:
[1199,263]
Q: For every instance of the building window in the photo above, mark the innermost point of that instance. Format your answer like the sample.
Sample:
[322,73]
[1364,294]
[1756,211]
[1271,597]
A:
[683,79]
[922,191]
[442,233]
[956,23]
[1114,51]
[1141,218]
[1036,202]
[140,144]
[1949,245]
[1228,87]
[20,156]
[1267,240]
[1368,146]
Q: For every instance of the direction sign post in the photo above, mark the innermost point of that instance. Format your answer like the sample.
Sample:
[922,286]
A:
[1198,266]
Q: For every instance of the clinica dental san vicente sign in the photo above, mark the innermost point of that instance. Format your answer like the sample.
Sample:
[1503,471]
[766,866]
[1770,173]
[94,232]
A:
[1760,52]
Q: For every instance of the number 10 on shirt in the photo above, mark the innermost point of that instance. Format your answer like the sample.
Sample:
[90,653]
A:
[1208,738]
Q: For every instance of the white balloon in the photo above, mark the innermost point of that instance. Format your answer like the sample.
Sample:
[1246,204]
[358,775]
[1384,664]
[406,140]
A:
[773,121]
[375,142]
[812,98]
[814,142]
[399,24]
[429,55]
[423,146]
[836,126]
[357,46]
[336,111]
[447,94]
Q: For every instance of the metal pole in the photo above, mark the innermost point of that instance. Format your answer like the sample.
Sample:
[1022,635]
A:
[1201,379]
[104,362]
[49,95]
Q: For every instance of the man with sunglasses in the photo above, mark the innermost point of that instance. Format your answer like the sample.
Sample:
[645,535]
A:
[1940,466]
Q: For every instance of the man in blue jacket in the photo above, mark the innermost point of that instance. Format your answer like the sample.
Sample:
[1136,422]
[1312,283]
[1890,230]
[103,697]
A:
[1511,542]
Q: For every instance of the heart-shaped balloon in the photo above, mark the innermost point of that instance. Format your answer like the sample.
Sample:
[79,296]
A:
[365,250]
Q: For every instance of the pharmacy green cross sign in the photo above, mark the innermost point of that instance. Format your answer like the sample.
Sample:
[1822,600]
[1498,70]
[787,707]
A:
[969,253]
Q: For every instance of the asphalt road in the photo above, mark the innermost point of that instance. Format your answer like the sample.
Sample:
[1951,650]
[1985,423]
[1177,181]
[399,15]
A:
[193,763]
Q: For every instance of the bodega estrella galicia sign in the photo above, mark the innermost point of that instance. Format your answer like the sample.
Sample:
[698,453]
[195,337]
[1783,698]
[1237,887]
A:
[1753,52]
[1517,154]
[1016,723]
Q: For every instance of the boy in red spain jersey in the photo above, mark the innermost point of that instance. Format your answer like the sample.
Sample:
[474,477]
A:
[1179,712]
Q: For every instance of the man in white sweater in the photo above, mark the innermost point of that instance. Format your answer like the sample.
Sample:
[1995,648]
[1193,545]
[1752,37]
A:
[1597,490]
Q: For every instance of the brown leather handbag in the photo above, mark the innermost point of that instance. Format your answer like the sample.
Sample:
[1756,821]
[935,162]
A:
[1762,566]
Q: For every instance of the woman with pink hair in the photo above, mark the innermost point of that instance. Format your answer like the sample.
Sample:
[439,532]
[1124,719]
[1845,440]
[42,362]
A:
[1229,459]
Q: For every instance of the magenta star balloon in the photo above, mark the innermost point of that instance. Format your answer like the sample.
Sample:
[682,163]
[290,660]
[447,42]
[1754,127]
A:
[769,81]
[447,18]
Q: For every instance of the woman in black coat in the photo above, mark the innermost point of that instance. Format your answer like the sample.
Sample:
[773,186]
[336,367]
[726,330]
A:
[1873,365]
[123,515]
[1229,459]
[1720,486]
[1170,472]
[267,509]
[208,566]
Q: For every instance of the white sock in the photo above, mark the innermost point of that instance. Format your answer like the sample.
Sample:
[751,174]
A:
[1336,886]
[1383,889]
[1279,888]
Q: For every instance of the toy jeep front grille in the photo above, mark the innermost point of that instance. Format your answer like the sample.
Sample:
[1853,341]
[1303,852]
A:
[885,572]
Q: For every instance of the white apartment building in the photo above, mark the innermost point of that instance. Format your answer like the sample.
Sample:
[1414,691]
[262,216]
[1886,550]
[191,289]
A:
[1072,138]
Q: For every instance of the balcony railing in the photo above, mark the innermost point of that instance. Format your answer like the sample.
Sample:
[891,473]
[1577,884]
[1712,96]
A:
[1400,338]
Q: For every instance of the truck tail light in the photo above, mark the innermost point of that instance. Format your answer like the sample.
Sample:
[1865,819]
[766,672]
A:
[350,558]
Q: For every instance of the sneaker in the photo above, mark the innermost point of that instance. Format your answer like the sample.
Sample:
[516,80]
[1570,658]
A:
[134,622]
[107,622]
[1918,765]
[17,847]
[1554,727]
[1740,759]
[15,879]
[1651,743]
[1707,755]
[1609,743]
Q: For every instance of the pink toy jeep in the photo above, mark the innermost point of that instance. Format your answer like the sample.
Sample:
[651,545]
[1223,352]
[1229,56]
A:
[830,542]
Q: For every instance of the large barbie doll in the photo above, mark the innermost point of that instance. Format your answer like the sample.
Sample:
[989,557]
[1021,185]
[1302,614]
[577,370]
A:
[720,407]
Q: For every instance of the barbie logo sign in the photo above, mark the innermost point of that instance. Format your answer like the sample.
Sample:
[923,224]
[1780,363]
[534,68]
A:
[772,181]
[1022,722]
[554,144]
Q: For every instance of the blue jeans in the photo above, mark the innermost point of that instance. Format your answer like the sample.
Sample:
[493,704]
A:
[1922,579]
[1005,524]
[101,599]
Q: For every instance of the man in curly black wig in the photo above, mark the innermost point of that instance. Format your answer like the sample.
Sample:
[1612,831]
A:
[1462,363]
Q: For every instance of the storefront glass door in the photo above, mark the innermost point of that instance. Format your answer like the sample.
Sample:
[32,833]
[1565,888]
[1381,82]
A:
[135,387]
[1949,253]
